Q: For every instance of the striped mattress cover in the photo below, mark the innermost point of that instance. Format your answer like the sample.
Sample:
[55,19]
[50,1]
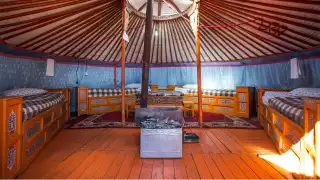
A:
[101,92]
[34,105]
[271,94]
[214,92]
[163,93]
[290,106]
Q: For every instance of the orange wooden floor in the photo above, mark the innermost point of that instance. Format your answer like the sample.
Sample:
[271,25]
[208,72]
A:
[114,153]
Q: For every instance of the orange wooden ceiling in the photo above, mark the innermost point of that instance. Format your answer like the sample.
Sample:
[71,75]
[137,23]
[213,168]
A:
[91,29]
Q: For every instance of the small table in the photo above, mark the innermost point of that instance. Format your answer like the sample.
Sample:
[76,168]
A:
[130,104]
[188,106]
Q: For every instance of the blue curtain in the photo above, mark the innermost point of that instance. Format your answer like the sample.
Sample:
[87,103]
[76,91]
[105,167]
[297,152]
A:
[18,73]
[133,75]
[181,76]
[159,76]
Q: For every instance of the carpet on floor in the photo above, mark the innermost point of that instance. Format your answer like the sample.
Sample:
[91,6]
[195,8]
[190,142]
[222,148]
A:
[113,119]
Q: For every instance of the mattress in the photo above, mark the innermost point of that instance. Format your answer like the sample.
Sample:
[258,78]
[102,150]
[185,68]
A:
[215,92]
[270,94]
[290,107]
[164,93]
[34,105]
[102,92]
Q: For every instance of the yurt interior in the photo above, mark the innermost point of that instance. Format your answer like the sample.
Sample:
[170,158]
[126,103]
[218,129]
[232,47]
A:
[160,89]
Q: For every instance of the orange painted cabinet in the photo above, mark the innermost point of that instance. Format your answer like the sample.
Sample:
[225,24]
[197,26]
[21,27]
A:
[11,136]
[244,101]
[82,100]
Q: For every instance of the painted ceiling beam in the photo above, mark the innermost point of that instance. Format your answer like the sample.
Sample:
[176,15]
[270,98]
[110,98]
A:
[143,5]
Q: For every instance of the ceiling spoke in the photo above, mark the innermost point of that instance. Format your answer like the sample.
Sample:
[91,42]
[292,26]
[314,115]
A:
[174,5]
[159,8]
[143,5]
[230,29]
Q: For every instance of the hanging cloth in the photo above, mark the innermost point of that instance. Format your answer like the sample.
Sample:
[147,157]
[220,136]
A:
[194,20]
[126,24]
[295,68]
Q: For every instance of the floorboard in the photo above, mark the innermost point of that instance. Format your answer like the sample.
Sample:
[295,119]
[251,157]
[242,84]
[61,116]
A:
[212,166]
[113,153]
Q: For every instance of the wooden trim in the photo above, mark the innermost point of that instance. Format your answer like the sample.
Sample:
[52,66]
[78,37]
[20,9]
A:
[43,133]
[123,68]
[141,7]
[212,105]
[261,92]
[199,80]
[8,140]
[18,137]
[228,105]
[311,109]
[82,99]
[312,115]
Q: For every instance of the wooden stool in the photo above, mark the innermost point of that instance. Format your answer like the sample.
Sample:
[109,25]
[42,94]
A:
[188,106]
[130,104]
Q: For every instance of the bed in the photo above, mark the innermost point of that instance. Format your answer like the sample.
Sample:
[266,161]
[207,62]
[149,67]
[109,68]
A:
[31,122]
[102,100]
[163,98]
[239,102]
[289,118]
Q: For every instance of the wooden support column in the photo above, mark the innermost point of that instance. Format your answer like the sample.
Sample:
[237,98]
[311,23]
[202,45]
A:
[123,70]
[199,71]
[146,55]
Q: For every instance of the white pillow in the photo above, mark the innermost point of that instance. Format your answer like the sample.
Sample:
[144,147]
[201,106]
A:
[305,92]
[270,94]
[133,86]
[139,89]
[24,92]
[191,86]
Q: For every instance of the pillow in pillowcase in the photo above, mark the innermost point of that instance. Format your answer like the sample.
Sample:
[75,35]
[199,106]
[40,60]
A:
[133,86]
[306,92]
[24,92]
[191,86]
[271,94]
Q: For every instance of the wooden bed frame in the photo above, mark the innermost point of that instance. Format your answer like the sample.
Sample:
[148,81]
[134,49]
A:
[287,135]
[22,141]
[169,88]
[240,105]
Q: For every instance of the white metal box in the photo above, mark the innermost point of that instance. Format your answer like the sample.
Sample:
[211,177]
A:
[161,143]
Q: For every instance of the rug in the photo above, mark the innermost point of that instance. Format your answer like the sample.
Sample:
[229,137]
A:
[113,119]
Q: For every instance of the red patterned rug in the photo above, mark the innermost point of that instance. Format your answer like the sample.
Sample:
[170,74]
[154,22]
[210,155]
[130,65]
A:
[113,119]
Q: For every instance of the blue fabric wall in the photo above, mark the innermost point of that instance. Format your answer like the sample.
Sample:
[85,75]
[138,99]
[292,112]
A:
[17,73]
[265,75]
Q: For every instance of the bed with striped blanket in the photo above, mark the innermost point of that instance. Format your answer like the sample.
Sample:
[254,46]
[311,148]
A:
[290,106]
[214,92]
[34,105]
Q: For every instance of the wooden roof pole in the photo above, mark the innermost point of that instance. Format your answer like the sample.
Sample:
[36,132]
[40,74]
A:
[146,55]
[198,55]
[123,70]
